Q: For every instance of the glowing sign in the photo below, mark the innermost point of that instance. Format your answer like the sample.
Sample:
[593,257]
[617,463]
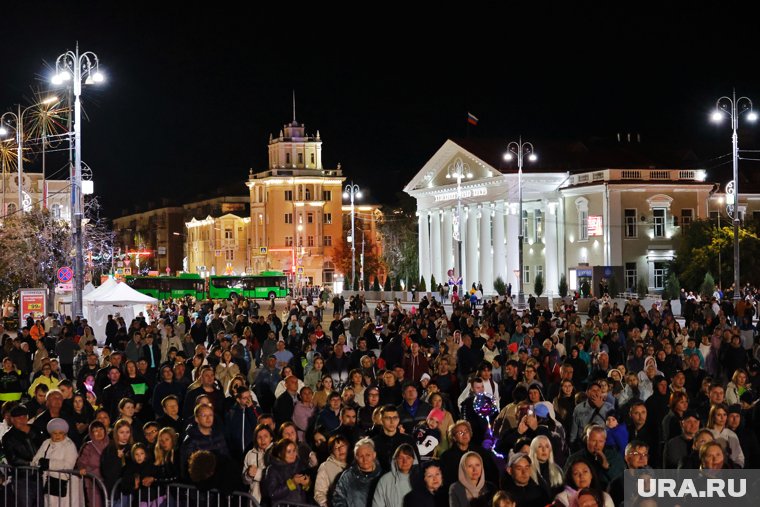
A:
[466,194]
[595,225]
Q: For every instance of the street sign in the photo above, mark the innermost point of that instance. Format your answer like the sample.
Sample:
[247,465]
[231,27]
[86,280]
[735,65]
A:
[300,270]
[65,274]
[262,250]
[127,271]
[162,250]
[64,287]
[32,302]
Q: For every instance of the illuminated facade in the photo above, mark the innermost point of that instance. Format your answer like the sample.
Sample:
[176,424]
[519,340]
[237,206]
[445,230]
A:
[623,222]
[55,194]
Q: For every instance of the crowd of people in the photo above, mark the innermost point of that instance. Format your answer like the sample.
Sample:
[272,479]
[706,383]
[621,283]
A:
[384,406]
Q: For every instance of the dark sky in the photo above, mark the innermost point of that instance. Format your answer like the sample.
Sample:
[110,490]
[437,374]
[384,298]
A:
[194,92]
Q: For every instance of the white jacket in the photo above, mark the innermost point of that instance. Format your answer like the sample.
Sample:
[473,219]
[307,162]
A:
[260,459]
[327,473]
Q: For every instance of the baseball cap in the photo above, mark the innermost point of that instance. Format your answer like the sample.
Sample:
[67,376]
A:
[514,458]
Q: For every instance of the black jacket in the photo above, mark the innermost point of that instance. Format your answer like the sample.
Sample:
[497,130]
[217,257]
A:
[21,447]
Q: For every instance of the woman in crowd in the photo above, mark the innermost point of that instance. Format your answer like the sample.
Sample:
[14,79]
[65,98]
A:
[394,485]
[713,457]
[356,483]
[428,491]
[89,462]
[167,456]
[357,384]
[257,459]
[139,387]
[304,412]
[543,470]
[330,469]
[325,388]
[286,480]
[127,413]
[315,375]
[671,425]
[737,386]
[472,489]
[716,423]
[580,475]
[58,453]
[305,454]
[226,370]
[436,401]
[564,404]
[116,454]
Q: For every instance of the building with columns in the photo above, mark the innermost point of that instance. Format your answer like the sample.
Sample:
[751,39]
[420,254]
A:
[35,191]
[590,211]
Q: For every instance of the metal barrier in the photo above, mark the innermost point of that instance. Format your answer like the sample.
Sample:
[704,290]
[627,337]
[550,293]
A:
[176,495]
[33,487]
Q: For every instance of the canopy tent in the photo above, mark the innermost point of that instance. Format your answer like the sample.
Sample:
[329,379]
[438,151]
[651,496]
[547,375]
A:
[88,288]
[113,298]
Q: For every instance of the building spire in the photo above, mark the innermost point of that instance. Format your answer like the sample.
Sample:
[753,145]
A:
[294,106]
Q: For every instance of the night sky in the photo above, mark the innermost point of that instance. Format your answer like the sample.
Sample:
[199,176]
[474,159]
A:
[193,94]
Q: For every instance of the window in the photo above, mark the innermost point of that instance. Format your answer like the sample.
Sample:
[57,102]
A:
[312,158]
[300,218]
[687,215]
[288,240]
[539,223]
[715,218]
[526,274]
[658,222]
[288,195]
[288,218]
[327,218]
[327,240]
[229,255]
[11,208]
[300,159]
[311,241]
[630,276]
[659,275]
[327,195]
[300,240]
[310,218]
[287,158]
[525,226]
[630,223]
[55,210]
[228,234]
[308,194]
[583,225]
[540,271]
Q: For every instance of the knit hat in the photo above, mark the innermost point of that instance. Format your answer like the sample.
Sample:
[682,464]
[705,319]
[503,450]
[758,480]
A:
[57,424]
[436,414]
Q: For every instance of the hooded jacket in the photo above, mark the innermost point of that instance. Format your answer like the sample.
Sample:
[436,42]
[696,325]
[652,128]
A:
[326,479]
[394,485]
[277,485]
[356,488]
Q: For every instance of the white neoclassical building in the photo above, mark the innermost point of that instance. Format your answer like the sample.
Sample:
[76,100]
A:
[592,212]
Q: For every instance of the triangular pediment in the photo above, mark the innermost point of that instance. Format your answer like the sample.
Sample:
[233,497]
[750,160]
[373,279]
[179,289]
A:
[445,162]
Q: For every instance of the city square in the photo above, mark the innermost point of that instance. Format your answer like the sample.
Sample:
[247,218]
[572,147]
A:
[242,265]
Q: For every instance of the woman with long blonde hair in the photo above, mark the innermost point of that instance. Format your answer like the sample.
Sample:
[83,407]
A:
[543,470]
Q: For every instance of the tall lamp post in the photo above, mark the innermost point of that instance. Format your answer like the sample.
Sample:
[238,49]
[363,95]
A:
[520,149]
[16,122]
[733,108]
[352,192]
[78,68]
[458,170]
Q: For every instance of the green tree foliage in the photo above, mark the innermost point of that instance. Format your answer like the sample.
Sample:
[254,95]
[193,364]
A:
[396,284]
[366,284]
[708,286]
[387,286]
[356,284]
[376,284]
[499,286]
[34,246]
[538,284]
[672,287]
[422,286]
[705,248]
[562,288]
[400,242]
[433,283]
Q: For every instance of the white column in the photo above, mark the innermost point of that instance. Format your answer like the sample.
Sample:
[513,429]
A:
[486,255]
[499,248]
[435,246]
[551,262]
[447,245]
[461,264]
[424,242]
[513,229]
[471,245]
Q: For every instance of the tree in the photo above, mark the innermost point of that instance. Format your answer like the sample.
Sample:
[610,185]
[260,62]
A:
[343,258]
[356,284]
[433,284]
[538,284]
[641,288]
[34,246]
[672,287]
[387,286]
[708,286]
[400,242]
[396,284]
[499,286]
[422,287]
[562,288]
[376,284]
[366,284]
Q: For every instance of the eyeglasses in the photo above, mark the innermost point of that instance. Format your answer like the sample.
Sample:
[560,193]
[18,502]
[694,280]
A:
[461,432]
[391,417]
[639,454]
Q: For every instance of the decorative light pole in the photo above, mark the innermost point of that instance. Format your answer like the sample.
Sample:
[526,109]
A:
[458,170]
[733,108]
[16,122]
[520,149]
[78,68]
[350,192]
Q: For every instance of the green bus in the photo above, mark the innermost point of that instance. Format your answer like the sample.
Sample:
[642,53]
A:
[164,287]
[268,284]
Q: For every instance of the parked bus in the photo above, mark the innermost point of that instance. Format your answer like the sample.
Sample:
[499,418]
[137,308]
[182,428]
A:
[164,287]
[268,284]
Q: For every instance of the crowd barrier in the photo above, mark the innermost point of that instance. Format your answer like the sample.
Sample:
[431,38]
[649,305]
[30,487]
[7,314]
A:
[22,486]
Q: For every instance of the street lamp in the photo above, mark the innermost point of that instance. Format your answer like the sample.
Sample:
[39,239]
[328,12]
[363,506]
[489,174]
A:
[520,149]
[78,68]
[458,170]
[18,126]
[733,108]
[350,192]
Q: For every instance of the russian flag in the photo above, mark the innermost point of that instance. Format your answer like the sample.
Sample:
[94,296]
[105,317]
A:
[472,119]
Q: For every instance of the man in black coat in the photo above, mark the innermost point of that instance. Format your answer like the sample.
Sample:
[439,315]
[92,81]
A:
[21,442]
[286,402]
[390,438]
[679,447]
[519,483]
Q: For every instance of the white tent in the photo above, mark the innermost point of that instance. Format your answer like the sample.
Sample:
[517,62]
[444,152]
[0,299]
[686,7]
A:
[88,288]
[112,298]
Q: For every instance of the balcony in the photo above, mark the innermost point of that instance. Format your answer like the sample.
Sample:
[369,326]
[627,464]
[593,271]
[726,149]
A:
[636,175]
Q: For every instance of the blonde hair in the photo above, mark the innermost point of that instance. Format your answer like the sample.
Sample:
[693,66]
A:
[162,456]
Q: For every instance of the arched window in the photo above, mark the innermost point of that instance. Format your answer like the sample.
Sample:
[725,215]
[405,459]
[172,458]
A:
[308,194]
